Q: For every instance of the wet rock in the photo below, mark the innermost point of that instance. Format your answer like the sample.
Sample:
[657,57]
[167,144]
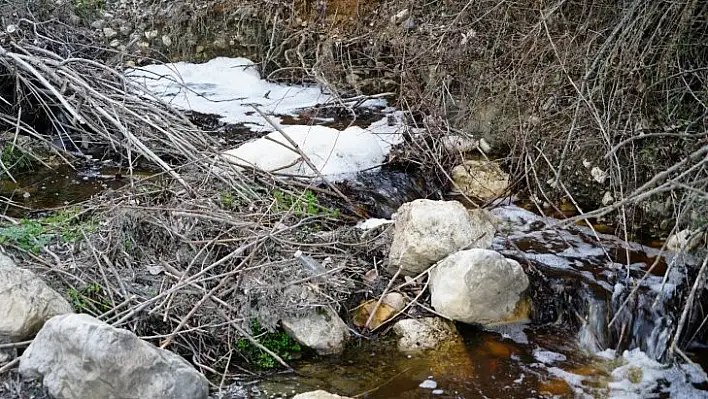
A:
[481,179]
[26,302]
[320,394]
[391,304]
[79,356]
[109,33]
[321,330]
[418,335]
[478,286]
[426,231]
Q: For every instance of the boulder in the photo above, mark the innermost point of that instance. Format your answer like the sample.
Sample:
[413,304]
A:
[426,231]
[320,394]
[478,286]
[26,302]
[481,179]
[79,356]
[418,335]
[321,330]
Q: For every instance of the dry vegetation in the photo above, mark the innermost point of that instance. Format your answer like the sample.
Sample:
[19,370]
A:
[190,258]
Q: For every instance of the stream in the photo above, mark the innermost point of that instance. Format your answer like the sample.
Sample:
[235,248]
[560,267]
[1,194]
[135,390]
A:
[580,278]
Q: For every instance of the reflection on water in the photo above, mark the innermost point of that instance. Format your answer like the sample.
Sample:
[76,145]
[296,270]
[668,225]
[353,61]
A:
[46,188]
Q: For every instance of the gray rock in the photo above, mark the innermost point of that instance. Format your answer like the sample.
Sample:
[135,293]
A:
[320,394]
[478,286]
[151,34]
[79,356]
[98,24]
[320,330]
[126,29]
[26,302]
[109,33]
[418,335]
[427,231]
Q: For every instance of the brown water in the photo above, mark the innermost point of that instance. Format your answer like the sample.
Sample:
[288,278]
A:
[485,364]
[45,188]
[554,356]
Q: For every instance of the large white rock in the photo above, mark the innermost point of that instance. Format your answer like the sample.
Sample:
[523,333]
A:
[477,286]
[481,179]
[418,335]
[426,231]
[26,302]
[319,394]
[81,357]
[321,330]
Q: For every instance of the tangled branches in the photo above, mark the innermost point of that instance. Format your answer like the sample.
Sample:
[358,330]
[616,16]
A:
[56,84]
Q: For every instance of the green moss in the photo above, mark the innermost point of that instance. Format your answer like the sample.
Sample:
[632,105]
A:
[305,204]
[278,342]
[33,234]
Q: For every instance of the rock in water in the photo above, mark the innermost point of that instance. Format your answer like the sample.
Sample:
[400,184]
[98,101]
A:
[423,334]
[426,231]
[320,394]
[478,286]
[81,357]
[483,180]
[26,302]
[391,304]
[320,330]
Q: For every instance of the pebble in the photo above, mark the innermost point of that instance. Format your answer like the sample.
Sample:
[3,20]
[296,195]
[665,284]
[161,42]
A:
[428,384]
[438,392]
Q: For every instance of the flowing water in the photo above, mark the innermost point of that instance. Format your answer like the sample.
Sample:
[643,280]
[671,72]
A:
[581,279]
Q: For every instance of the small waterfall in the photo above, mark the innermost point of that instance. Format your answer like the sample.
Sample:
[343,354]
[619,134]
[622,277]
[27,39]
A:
[647,320]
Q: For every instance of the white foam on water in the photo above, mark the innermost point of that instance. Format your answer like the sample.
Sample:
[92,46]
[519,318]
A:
[335,154]
[226,87]
[547,357]
[636,376]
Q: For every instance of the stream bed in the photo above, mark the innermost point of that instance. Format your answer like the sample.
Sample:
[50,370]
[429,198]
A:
[581,281]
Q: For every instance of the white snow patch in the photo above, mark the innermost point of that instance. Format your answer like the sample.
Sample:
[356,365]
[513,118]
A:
[227,87]
[336,154]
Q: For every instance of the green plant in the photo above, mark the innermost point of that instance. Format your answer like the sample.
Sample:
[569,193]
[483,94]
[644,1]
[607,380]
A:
[91,299]
[88,9]
[33,234]
[302,205]
[278,342]
[227,199]
[15,159]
